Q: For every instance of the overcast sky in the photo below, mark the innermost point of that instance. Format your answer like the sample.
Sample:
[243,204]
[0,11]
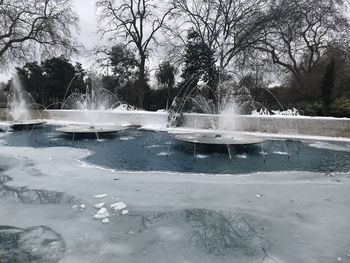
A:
[88,21]
[86,12]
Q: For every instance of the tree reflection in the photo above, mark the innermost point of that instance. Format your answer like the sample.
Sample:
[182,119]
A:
[217,233]
[13,194]
[33,244]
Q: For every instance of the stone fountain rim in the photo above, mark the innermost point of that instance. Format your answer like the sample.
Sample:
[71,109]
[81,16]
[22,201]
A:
[90,129]
[219,138]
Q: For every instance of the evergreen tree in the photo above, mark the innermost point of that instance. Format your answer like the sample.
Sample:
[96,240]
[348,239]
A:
[327,88]
[131,87]
[33,79]
[199,61]
[166,78]
[124,64]
[48,83]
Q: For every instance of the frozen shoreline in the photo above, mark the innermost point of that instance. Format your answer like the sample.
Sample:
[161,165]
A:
[303,216]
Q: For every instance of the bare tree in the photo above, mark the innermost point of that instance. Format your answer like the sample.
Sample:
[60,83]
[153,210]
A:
[226,26]
[300,32]
[137,22]
[26,25]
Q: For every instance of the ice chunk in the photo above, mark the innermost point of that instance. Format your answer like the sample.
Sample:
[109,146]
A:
[105,220]
[99,216]
[99,205]
[127,138]
[102,213]
[201,156]
[118,206]
[100,196]
[280,153]
[242,156]
[82,206]
[125,212]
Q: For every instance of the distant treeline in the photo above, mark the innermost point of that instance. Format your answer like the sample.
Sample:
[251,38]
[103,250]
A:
[57,78]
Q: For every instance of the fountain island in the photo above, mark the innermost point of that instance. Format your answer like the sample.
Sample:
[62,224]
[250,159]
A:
[94,103]
[19,116]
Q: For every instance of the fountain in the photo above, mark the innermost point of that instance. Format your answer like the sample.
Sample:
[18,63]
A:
[224,129]
[92,103]
[19,117]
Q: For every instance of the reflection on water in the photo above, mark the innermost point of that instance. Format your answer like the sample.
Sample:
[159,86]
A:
[216,233]
[33,244]
[219,233]
[11,194]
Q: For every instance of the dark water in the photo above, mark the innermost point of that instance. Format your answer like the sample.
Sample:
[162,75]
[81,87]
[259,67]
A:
[150,151]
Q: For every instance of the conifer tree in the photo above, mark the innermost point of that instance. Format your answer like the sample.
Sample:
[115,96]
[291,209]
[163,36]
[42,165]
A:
[327,88]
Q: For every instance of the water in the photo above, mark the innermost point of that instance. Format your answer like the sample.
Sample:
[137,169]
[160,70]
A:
[17,102]
[228,100]
[94,100]
[133,150]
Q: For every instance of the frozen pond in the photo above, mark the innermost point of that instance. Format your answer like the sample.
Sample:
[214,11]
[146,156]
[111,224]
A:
[282,209]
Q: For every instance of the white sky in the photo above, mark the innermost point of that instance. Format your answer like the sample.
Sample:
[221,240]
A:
[88,21]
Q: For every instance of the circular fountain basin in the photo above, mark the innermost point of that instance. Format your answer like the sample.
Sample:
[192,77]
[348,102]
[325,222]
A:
[25,125]
[218,138]
[91,130]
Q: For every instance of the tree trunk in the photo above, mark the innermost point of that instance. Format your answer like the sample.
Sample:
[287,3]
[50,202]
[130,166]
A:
[141,83]
[327,88]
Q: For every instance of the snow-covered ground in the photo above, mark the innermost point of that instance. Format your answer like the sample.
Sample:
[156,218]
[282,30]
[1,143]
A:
[263,217]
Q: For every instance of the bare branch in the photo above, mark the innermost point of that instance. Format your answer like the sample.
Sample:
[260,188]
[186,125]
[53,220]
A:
[24,25]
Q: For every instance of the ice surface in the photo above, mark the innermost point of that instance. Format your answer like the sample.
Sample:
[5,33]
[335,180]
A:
[300,217]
